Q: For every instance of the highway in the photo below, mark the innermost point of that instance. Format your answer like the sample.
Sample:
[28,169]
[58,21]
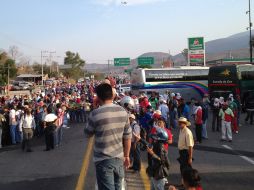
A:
[222,165]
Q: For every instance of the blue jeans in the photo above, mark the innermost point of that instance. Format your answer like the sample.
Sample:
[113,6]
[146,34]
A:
[13,134]
[58,135]
[109,174]
[135,156]
[158,184]
[204,130]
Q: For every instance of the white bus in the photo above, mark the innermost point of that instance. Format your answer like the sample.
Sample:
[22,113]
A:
[190,82]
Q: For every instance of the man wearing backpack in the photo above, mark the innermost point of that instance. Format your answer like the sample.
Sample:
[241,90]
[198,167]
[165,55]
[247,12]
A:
[226,115]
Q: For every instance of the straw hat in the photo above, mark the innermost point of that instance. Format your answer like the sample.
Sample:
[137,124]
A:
[184,120]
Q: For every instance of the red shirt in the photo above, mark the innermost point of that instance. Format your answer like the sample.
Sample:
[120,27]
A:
[198,119]
[144,103]
[170,136]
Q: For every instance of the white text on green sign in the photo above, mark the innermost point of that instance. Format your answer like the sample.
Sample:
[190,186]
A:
[145,61]
[122,61]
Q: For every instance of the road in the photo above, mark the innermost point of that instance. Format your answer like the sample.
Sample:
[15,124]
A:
[222,165]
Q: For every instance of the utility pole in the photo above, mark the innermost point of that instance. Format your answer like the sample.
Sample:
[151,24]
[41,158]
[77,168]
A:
[42,56]
[8,79]
[249,28]
[50,60]
[108,67]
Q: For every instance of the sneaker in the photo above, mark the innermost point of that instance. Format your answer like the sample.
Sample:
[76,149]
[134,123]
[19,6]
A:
[229,140]
[236,132]
[223,140]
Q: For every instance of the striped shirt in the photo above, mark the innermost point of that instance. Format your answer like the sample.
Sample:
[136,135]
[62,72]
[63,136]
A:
[110,124]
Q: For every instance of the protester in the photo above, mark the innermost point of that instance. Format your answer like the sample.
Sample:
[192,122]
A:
[135,146]
[13,125]
[198,122]
[233,106]
[49,129]
[27,126]
[2,121]
[205,113]
[226,115]
[216,121]
[112,120]
[163,107]
[185,144]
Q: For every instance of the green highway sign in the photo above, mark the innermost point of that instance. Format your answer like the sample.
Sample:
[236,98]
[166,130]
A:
[122,61]
[145,61]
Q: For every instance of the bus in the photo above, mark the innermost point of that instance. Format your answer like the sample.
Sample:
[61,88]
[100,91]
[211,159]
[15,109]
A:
[190,82]
[226,79]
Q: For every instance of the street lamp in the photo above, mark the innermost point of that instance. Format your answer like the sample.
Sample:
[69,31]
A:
[249,28]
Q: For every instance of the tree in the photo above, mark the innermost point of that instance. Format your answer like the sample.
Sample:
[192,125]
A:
[185,54]
[76,63]
[6,63]
[14,52]
[3,58]
[37,68]
[12,68]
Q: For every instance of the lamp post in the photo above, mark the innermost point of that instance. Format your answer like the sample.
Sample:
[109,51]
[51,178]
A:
[249,28]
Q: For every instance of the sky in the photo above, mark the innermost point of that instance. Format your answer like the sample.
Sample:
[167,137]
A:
[105,29]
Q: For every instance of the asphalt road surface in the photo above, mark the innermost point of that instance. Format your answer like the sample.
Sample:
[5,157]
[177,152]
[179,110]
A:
[222,165]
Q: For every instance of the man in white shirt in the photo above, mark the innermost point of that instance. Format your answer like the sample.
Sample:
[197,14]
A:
[27,125]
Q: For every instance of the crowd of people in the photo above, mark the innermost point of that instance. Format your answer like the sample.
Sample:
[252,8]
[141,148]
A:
[145,122]
[25,116]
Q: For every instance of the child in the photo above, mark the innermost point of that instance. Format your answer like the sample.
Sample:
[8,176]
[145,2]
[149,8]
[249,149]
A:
[158,169]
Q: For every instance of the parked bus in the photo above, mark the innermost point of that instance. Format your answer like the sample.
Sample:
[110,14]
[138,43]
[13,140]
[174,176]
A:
[190,82]
[235,79]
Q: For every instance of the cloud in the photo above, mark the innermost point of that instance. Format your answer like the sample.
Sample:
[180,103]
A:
[129,2]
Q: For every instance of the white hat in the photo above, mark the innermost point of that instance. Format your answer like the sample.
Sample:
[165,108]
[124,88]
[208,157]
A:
[157,112]
[50,117]
[163,101]
[132,116]
[216,100]
[178,96]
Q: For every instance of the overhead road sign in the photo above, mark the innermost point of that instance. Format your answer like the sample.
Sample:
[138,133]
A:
[122,61]
[145,61]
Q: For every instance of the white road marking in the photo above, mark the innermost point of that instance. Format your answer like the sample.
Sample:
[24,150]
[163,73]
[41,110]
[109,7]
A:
[241,156]
[248,159]
[227,147]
